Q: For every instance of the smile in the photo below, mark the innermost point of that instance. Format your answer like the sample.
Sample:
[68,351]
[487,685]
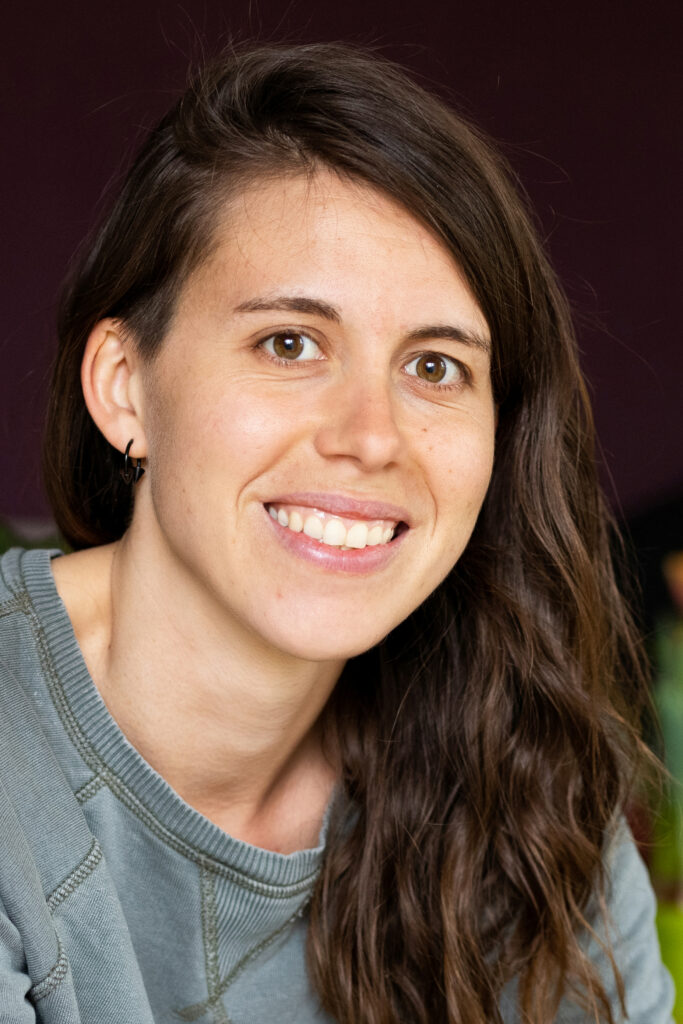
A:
[333,530]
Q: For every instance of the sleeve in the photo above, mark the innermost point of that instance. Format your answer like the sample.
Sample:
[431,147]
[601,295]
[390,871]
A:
[632,906]
[649,990]
[14,981]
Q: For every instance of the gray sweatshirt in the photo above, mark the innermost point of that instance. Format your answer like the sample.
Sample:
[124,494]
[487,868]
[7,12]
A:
[121,904]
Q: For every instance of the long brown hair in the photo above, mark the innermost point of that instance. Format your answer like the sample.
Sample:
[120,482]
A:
[486,746]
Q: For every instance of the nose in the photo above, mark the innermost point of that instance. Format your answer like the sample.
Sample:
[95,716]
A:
[358,422]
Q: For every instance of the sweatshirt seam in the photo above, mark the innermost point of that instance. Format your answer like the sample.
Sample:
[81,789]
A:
[100,769]
[217,986]
[197,1010]
[260,947]
[90,788]
[210,942]
[54,977]
[76,877]
[20,602]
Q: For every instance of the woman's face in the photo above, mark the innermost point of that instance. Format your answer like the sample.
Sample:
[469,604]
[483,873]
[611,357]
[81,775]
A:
[324,387]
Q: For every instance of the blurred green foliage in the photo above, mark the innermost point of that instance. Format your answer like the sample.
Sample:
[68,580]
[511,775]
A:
[12,538]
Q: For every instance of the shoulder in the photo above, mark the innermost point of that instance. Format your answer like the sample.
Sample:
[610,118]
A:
[22,571]
[25,584]
[632,936]
[11,575]
[631,932]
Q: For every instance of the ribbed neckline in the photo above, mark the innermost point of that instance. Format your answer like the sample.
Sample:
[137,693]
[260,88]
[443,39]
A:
[185,827]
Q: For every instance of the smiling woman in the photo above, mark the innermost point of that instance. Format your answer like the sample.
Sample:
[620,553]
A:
[333,712]
[326,419]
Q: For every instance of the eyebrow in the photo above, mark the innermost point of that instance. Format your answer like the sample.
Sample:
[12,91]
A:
[451,333]
[291,304]
[316,307]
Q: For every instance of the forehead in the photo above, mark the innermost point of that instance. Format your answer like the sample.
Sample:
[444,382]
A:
[342,240]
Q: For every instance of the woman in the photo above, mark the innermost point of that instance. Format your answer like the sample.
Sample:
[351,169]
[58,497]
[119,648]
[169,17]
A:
[326,717]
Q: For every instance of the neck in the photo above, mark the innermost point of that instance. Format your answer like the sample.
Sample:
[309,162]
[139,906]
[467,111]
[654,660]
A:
[231,724]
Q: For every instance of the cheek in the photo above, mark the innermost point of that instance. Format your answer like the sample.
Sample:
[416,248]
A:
[461,467]
[246,424]
[249,429]
[218,438]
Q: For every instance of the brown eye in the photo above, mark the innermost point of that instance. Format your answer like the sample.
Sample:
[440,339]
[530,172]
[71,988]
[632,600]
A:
[292,346]
[436,369]
[431,367]
[288,346]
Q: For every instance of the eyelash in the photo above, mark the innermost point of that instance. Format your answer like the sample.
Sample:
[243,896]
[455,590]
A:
[462,370]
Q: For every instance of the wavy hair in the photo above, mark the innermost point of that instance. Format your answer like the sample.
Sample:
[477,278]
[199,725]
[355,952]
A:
[487,745]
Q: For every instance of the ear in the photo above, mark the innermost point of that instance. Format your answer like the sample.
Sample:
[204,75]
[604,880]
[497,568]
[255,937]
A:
[110,376]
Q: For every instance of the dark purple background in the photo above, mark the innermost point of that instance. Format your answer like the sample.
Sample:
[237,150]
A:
[586,98]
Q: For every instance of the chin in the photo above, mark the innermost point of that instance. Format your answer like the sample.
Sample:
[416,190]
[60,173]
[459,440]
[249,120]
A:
[329,647]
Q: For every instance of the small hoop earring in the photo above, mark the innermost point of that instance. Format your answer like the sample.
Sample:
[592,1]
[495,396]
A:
[131,473]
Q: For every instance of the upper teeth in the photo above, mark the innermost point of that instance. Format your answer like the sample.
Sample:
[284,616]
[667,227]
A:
[333,530]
